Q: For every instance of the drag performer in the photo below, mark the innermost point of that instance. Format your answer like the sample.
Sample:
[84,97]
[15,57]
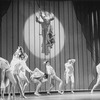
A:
[98,77]
[16,64]
[53,77]
[69,72]
[47,31]
[6,76]
[38,77]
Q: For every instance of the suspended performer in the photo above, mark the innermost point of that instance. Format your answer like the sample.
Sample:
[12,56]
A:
[47,30]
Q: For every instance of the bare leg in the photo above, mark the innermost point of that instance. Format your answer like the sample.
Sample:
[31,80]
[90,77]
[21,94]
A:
[2,93]
[52,85]
[2,84]
[37,88]
[97,83]
[72,83]
[72,87]
[94,87]
[19,86]
[24,82]
[60,84]
[12,80]
[24,86]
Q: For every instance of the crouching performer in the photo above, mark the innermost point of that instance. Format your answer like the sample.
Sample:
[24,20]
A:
[38,77]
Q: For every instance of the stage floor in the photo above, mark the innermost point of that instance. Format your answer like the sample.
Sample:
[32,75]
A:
[65,96]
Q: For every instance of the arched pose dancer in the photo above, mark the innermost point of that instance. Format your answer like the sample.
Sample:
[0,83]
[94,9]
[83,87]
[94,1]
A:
[16,64]
[38,77]
[52,74]
[69,72]
[47,32]
[6,76]
[98,77]
[22,73]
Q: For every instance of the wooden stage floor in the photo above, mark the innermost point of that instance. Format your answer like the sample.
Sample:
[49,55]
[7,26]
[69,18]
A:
[65,96]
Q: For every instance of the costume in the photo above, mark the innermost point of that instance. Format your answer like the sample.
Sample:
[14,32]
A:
[4,65]
[98,77]
[38,76]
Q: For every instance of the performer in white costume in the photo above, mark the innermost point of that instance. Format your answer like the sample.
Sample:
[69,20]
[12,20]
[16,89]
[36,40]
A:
[51,72]
[22,73]
[69,72]
[38,77]
[16,65]
[98,77]
[6,76]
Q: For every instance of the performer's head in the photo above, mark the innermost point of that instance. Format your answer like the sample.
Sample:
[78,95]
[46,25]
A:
[19,51]
[47,13]
[45,75]
[47,62]
[71,61]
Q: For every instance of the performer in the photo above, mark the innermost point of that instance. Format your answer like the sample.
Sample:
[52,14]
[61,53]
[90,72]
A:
[38,77]
[69,72]
[16,64]
[22,73]
[98,77]
[47,32]
[6,76]
[51,72]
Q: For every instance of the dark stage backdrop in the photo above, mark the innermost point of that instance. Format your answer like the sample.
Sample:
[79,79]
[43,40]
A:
[73,39]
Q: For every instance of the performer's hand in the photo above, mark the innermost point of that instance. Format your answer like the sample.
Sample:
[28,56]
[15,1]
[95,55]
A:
[40,12]
[31,72]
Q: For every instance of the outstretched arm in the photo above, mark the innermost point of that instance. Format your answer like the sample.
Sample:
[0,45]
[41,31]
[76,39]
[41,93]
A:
[25,67]
[37,70]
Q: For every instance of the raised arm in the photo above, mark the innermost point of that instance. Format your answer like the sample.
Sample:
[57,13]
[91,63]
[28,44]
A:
[37,20]
[51,16]
[41,14]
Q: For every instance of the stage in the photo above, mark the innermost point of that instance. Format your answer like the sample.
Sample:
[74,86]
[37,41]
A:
[65,96]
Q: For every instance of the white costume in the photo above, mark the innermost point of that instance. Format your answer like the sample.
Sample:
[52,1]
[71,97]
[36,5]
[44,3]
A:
[69,71]
[98,77]
[37,75]
[50,70]
[16,65]
[4,65]
[53,77]
[98,72]
[4,62]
